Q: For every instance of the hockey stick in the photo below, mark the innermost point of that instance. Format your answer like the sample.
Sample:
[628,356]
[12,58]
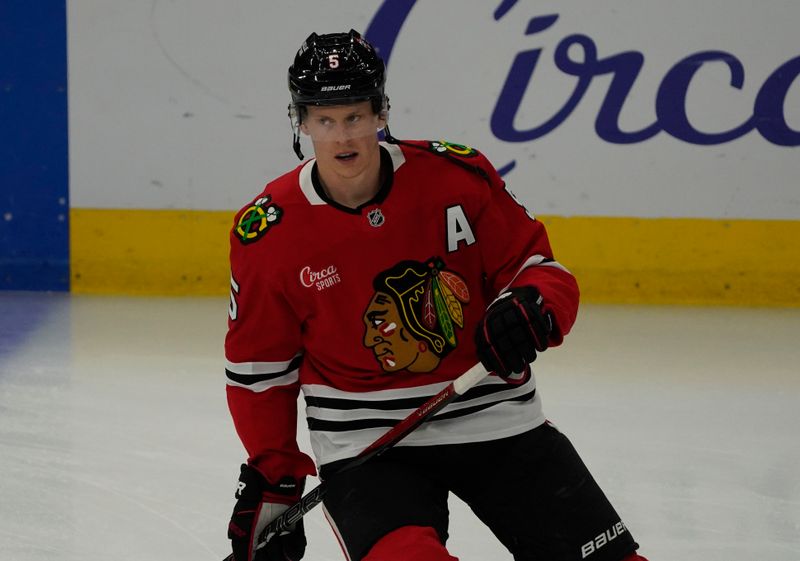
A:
[453,390]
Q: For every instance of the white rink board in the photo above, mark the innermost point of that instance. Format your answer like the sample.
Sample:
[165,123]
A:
[182,103]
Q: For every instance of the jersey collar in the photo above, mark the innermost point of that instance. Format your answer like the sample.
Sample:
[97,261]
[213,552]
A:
[391,159]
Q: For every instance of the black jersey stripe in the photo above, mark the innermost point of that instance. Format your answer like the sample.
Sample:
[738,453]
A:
[475,408]
[251,379]
[325,425]
[341,404]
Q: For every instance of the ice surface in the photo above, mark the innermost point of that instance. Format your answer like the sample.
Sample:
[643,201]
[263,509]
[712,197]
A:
[115,440]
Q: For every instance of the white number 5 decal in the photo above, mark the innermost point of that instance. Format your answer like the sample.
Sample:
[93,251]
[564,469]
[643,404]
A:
[233,308]
[333,60]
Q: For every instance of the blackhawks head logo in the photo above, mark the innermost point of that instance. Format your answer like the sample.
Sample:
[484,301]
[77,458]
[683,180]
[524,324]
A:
[257,220]
[411,320]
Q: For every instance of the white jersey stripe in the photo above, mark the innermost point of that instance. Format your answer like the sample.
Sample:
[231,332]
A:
[366,412]
[535,261]
[261,376]
[264,385]
[398,159]
[259,368]
[307,186]
[502,420]
[318,390]
[343,423]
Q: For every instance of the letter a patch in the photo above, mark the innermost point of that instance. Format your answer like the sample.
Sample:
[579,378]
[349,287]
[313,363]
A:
[458,228]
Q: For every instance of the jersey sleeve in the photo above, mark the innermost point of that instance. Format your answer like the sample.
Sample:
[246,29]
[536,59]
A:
[262,357]
[516,252]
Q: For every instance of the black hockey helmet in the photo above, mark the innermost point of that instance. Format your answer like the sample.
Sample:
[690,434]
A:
[335,69]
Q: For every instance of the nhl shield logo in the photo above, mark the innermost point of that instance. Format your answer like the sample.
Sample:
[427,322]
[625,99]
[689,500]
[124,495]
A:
[375,218]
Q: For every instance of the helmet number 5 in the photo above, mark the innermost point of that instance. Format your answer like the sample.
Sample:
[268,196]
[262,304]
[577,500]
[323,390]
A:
[333,60]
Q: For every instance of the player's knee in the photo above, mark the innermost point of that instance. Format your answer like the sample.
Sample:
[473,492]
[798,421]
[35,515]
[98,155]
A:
[420,543]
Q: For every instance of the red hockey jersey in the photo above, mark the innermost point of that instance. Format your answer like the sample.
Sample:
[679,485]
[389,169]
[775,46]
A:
[372,311]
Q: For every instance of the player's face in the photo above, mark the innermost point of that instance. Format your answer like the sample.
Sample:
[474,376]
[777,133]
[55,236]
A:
[344,137]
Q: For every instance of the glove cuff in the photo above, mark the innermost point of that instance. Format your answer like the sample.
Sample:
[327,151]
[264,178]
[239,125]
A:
[517,379]
[254,486]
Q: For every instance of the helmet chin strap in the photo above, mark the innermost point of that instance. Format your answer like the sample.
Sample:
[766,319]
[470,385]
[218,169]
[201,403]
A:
[294,119]
[296,145]
[387,135]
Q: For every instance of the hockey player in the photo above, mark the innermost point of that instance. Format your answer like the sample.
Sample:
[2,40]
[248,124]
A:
[368,278]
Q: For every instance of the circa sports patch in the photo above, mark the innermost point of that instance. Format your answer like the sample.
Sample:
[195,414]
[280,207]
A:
[442,147]
[257,220]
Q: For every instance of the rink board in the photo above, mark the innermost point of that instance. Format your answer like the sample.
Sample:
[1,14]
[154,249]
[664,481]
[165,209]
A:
[672,148]
[633,260]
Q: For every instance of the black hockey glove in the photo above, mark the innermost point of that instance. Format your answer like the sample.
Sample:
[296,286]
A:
[511,332]
[258,504]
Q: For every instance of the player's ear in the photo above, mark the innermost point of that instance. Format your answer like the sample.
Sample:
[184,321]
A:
[304,129]
[383,114]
